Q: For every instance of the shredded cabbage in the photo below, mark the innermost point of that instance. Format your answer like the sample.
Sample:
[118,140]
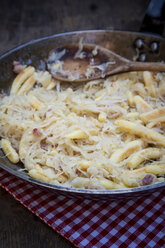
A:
[77,162]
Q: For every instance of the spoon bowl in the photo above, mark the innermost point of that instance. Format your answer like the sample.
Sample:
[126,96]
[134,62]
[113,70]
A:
[84,62]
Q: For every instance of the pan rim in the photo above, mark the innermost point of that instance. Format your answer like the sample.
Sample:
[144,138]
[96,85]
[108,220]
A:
[112,192]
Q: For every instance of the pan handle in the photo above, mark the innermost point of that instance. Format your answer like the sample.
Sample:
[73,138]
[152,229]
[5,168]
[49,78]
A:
[154,18]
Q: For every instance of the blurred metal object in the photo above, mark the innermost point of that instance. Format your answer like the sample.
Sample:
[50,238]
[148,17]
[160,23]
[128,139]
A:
[142,57]
[37,51]
[154,18]
[154,46]
[139,43]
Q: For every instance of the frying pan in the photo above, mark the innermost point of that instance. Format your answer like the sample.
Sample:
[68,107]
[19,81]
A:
[133,46]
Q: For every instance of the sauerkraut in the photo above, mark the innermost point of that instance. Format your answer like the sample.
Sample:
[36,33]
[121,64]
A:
[68,136]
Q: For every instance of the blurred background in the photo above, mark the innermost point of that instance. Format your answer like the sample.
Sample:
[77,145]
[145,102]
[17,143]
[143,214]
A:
[22,21]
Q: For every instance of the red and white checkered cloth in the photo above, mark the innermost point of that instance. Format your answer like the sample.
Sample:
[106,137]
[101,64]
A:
[86,223]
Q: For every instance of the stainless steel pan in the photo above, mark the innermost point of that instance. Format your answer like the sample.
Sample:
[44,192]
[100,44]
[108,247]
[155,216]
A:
[135,46]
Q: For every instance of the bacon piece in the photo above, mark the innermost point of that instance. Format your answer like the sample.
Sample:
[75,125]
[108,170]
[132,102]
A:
[18,67]
[78,172]
[16,149]
[148,179]
[44,146]
[2,94]
[37,132]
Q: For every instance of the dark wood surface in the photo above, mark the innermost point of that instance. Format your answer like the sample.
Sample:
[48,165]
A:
[22,21]
[19,228]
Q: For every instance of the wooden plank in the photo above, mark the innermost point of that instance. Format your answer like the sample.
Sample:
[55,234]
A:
[20,228]
[22,21]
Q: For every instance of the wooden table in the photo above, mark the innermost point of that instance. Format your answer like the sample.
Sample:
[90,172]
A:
[22,21]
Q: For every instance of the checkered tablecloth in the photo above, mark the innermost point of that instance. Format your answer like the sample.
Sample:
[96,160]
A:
[86,223]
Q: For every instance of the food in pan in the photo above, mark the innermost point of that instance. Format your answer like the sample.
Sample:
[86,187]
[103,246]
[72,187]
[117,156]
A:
[104,134]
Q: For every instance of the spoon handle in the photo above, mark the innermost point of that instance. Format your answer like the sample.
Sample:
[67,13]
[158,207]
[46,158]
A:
[146,66]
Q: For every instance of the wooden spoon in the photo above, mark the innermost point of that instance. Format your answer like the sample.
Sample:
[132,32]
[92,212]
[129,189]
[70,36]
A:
[77,63]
